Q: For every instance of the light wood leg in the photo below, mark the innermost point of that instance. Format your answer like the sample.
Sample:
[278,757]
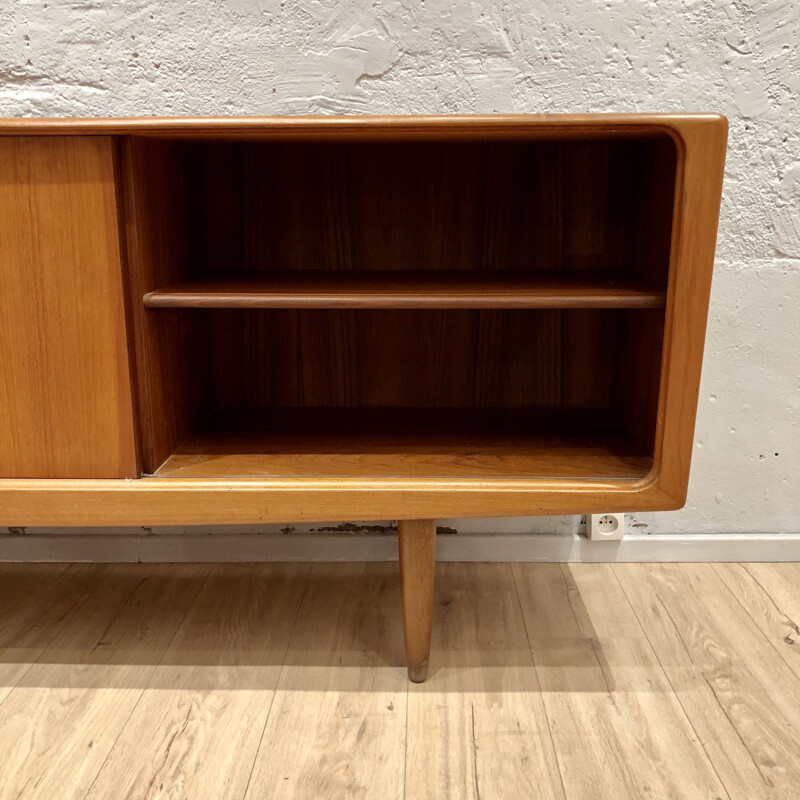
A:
[417,563]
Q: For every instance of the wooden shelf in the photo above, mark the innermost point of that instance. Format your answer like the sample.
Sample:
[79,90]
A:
[419,289]
[408,443]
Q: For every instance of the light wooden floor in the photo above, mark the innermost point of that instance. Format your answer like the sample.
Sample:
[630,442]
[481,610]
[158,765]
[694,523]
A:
[287,681]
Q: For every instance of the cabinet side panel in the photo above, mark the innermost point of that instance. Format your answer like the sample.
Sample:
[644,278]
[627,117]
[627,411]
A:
[165,243]
[694,235]
[65,390]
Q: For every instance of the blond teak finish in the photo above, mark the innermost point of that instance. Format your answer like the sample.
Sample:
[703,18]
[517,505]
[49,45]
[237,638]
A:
[352,317]
[65,392]
[566,682]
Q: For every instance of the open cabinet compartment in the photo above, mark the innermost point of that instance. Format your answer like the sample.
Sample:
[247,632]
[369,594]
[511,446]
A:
[533,393]
[399,308]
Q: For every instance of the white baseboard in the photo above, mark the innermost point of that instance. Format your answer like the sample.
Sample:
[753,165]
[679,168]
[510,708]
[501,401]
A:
[104,547]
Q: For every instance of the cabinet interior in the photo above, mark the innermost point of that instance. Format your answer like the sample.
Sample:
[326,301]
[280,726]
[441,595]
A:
[432,308]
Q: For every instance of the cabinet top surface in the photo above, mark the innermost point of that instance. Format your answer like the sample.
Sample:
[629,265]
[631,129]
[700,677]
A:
[366,126]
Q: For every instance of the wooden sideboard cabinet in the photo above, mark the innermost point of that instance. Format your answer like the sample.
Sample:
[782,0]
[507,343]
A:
[210,321]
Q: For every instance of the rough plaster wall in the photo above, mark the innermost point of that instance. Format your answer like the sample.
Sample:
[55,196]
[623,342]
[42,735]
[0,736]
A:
[738,57]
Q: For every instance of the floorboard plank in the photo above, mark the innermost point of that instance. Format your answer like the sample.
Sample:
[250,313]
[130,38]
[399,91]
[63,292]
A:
[196,729]
[476,727]
[574,682]
[770,593]
[33,598]
[337,726]
[618,728]
[740,695]
[61,720]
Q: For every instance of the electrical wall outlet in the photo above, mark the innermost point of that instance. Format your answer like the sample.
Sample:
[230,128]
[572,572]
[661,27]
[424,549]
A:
[605,527]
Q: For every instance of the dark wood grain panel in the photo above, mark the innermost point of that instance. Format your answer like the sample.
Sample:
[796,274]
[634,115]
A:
[274,207]
[417,358]
[537,205]
[160,208]
[651,197]
[392,274]
[524,207]
[589,349]
[343,358]
[437,359]
[639,353]
[518,359]
[588,204]
[417,206]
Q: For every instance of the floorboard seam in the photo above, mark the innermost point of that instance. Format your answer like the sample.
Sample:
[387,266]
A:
[671,686]
[405,749]
[145,687]
[278,680]
[532,656]
[792,623]
[46,647]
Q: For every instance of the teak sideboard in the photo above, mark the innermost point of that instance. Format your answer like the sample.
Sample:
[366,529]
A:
[209,321]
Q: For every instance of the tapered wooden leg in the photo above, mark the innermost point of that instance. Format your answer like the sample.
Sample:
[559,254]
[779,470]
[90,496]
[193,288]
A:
[417,563]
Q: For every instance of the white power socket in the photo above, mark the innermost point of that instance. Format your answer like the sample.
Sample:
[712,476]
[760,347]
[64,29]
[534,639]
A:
[606,527]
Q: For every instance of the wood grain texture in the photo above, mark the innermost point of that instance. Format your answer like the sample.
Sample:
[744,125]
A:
[616,724]
[65,390]
[196,728]
[732,684]
[369,443]
[417,543]
[159,193]
[204,501]
[367,127]
[768,592]
[476,727]
[402,205]
[670,682]
[410,290]
[698,192]
[337,725]
[580,163]
[33,602]
[499,359]
[61,720]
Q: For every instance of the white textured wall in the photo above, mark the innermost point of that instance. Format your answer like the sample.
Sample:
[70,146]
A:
[737,57]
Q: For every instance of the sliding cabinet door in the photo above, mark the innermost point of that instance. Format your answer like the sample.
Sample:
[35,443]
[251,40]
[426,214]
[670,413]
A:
[65,392]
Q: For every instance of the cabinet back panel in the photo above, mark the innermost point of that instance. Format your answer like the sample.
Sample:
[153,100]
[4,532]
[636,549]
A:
[417,359]
[439,206]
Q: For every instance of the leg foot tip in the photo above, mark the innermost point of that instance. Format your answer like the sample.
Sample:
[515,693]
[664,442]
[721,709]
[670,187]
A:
[418,674]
